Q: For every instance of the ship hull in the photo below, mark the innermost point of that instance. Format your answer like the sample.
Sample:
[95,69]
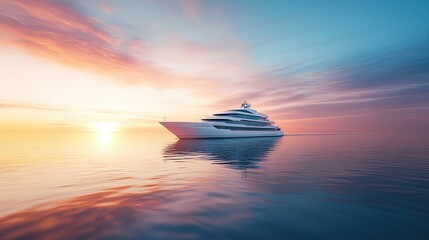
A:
[196,130]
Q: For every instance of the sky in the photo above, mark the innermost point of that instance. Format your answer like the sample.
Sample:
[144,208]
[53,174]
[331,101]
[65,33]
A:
[312,66]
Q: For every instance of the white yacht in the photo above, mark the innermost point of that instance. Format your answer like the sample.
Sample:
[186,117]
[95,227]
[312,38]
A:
[240,122]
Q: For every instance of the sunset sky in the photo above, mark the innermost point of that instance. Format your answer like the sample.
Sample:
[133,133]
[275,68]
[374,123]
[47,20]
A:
[312,66]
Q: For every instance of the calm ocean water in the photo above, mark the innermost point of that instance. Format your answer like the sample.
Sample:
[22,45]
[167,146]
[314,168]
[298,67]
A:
[153,186]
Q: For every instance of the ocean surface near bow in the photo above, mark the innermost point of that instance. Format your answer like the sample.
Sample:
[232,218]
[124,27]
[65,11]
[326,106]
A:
[154,186]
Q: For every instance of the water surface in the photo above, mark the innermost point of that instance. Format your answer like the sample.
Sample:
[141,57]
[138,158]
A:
[154,186]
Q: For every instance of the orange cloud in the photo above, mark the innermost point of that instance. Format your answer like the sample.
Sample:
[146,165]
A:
[28,106]
[61,33]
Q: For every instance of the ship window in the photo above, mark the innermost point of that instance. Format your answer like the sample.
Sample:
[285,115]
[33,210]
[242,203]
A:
[250,123]
[241,110]
[217,120]
[239,116]
[245,128]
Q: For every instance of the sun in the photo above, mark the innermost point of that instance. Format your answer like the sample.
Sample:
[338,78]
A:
[105,127]
[105,130]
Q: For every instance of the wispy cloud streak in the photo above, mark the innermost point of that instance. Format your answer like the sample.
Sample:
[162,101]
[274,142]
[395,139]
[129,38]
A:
[58,31]
[360,86]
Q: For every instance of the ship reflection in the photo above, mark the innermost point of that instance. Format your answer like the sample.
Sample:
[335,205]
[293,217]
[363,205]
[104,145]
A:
[241,154]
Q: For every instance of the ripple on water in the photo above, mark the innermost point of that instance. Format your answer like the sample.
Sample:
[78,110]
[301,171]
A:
[148,187]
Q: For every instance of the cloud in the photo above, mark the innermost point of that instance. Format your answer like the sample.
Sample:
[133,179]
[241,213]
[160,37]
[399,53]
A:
[45,107]
[58,31]
[6,105]
[216,65]
[211,61]
[190,8]
[406,65]
[106,7]
[360,87]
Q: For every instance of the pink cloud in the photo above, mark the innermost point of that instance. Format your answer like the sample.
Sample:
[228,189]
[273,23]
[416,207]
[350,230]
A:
[61,33]
[106,7]
[190,8]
